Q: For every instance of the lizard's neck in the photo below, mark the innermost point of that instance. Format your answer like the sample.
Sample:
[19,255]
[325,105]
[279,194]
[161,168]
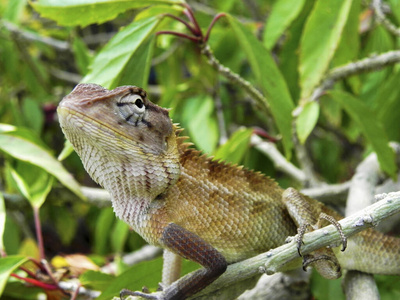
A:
[134,179]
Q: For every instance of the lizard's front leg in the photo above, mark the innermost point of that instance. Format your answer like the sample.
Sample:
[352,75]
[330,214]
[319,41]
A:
[306,213]
[190,246]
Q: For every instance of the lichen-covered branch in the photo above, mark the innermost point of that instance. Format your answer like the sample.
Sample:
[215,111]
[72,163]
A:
[364,65]
[381,18]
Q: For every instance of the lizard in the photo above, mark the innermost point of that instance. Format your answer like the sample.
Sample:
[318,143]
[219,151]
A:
[204,210]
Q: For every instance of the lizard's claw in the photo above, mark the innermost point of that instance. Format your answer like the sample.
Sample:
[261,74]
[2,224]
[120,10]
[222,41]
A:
[299,238]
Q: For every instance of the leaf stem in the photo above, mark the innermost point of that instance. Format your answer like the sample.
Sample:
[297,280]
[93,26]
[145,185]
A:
[38,229]
[37,283]
[188,26]
[216,18]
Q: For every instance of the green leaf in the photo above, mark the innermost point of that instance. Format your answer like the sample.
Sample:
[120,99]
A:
[387,105]
[319,41]
[7,266]
[147,273]
[14,10]
[95,280]
[119,235]
[102,229]
[66,151]
[2,221]
[198,118]
[371,127]
[307,120]
[235,148]
[33,182]
[85,12]
[82,55]
[282,14]
[33,115]
[113,59]
[270,80]
[25,150]
[137,69]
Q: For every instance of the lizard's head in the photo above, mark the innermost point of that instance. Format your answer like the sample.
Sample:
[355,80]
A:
[120,134]
[124,112]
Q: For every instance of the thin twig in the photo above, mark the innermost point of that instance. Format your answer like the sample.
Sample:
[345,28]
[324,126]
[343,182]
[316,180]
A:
[381,18]
[259,99]
[39,235]
[54,43]
[279,161]
[364,65]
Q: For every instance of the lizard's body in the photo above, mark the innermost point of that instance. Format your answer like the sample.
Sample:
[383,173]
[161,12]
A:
[176,198]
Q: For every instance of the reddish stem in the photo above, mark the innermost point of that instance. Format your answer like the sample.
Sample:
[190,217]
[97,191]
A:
[188,26]
[76,292]
[38,264]
[46,266]
[37,283]
[29,272]
[261,132]
[189,13]
[182,35]
[38,228]
[216,18]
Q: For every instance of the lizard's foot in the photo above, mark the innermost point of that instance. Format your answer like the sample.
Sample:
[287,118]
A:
[332,220]
[323,216]
[326,265]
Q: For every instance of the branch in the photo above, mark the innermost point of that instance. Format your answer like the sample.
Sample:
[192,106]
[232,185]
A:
[259,99]
[381,18]
[280,162]
[72,286]
[358,285]
[147,252]
[276,259]
[57,44]
[357,67]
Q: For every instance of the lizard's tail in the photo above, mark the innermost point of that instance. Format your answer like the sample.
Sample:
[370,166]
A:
[372,252]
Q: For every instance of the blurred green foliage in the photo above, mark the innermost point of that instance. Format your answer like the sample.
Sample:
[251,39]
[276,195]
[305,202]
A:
[283,48]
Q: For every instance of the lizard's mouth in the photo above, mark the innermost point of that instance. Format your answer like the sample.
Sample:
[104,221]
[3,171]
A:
[73,119]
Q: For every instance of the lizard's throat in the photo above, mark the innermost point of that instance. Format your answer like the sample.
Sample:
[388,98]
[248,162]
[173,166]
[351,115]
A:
[132,179]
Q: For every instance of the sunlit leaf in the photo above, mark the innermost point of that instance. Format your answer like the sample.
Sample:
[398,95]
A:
[235,148]
[27,151]
[269,79]
[66,151]
[319,41]
[307,120]
[85,12]
[371,127]
[147,273]
[95,279]
[35,190]
[282,14]
[7,266]
[112,60]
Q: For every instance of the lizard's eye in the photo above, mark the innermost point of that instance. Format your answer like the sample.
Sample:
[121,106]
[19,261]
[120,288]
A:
[139,103]
[131,108]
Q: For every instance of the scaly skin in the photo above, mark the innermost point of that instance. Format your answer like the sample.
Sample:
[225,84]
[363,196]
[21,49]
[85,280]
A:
[178,199]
